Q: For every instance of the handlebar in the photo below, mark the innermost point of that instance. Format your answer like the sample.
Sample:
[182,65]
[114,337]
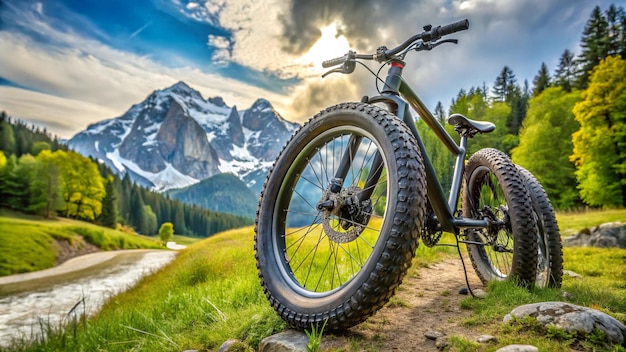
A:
[440,31]
[383,54]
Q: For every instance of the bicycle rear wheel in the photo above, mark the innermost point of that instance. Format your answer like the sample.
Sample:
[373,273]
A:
[324,253]
[549,247]
[494,189]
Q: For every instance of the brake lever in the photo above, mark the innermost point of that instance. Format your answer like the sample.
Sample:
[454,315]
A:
[453,41]
[431,45]
[334,70]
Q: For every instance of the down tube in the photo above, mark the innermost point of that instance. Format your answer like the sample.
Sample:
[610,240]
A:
[436,195]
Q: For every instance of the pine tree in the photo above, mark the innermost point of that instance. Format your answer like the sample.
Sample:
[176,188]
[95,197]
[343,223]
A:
[505,86]
[440,113]
[108,217]
[565,74]
[594,45]
[616,21]
[541,80]
[7,139]
[137,218]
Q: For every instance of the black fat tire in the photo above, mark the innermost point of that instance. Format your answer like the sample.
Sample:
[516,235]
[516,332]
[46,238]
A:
[550,248]
[376,281]
[493,181]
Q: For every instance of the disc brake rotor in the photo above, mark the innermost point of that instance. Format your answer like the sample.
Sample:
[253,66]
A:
[346,220]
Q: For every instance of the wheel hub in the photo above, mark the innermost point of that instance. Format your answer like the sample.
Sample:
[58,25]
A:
[343,216]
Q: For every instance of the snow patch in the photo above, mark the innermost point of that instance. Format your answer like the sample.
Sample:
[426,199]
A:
[164,180]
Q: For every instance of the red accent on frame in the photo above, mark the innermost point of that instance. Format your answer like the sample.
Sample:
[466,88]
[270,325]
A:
[397,64]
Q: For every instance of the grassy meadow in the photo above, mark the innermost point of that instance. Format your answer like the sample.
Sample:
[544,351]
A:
[27,243]
[210,293]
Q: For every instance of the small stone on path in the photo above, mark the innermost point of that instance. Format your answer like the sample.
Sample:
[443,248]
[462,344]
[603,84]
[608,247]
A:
[433,334]
[478,293]
[441,342]
[463,291]
[571,274]
[486,339]
[518,348]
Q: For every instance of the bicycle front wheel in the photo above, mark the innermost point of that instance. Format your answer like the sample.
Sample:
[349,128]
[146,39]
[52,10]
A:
[332,246]
[494,189]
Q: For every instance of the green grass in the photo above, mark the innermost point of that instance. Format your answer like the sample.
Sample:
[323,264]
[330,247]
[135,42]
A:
[571,223]
[602,287]
[27,243]
[211,294]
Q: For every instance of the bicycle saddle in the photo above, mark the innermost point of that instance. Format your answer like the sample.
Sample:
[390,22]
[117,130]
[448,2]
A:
[465,126]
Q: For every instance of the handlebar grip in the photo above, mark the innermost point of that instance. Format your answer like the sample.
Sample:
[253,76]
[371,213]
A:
[334,62]
[451,28]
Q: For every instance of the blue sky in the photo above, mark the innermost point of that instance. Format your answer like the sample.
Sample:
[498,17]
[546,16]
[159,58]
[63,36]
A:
[68,63]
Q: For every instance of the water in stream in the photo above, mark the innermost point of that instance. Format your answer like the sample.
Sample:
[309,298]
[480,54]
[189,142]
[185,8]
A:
[23,315]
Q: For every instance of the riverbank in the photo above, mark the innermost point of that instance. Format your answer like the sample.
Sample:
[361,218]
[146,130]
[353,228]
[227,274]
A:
[72,269]
[31,304]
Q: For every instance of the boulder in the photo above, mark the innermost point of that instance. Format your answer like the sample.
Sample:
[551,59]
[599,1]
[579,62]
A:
[612,234]
[572,319]
[286,341]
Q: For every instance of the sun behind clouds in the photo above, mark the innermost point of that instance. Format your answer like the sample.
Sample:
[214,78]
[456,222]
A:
[330,45]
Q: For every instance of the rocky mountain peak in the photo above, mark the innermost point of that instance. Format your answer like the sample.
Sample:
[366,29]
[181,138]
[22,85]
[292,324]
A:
[175,138]
[180,88]
[217,101]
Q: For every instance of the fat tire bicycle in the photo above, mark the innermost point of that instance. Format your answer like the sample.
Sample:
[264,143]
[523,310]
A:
[349,197]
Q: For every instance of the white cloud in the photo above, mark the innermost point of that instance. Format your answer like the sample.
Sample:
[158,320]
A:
[257,35]
[61,116]
[105,80]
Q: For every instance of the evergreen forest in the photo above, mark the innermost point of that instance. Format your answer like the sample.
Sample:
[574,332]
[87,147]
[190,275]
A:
[568,127]
[39,175]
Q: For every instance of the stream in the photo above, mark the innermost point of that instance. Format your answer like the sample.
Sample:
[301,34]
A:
[23,315]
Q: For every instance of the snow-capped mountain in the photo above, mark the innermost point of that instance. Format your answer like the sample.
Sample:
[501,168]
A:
[176,138]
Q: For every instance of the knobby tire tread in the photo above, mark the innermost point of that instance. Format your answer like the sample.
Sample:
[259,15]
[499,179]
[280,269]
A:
[543,208]
[400,243]
[523,225]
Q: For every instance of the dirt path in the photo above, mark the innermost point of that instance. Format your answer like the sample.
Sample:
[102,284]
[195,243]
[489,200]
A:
[428,299]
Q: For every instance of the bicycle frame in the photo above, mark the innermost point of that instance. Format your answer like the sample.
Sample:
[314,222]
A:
[398,96]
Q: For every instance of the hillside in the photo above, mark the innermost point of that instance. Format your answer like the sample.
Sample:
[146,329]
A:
[224,193]
[29,243]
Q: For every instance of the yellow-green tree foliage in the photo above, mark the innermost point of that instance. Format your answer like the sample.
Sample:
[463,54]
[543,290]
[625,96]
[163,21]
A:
[45,186]
[545,144]
[600,144]
[166,232]
[81,184]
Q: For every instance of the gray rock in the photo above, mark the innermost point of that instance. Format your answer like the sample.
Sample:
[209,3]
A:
[518,348]
[486,339]
[571,274]
[478,293]
[433,334]
[286,341]
[441,342]
[233,344]
[612,234]
[572,318]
